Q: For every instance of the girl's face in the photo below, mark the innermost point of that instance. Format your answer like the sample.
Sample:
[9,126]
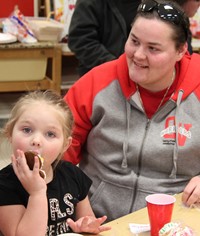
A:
[151,53]
[39,129]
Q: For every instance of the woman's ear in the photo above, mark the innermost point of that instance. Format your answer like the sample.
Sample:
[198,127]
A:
[68,143]
[181,51]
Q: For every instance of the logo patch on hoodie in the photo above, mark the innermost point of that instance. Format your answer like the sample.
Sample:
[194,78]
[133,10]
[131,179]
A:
[169,133]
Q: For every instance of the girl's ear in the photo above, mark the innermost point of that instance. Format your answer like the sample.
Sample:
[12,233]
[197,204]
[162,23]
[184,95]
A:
[10,139]
[68,143]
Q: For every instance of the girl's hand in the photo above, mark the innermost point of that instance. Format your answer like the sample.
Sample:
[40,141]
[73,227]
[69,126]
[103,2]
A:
[191,193]
[30,179]
[88,224]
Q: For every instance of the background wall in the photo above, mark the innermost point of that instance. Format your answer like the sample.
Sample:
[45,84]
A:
[25,6]
[195,25]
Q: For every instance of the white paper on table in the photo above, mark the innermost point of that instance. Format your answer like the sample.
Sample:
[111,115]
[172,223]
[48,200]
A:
[139,228]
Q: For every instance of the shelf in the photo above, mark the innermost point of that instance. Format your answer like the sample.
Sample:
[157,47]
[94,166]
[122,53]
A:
[51,52]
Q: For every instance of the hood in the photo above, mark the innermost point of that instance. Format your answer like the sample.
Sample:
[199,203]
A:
[189,75]
[189,68]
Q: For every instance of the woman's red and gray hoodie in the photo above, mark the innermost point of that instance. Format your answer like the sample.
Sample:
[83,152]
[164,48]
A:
[127,155]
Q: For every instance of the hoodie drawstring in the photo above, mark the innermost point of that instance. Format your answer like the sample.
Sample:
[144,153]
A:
[175,152]
[125,144]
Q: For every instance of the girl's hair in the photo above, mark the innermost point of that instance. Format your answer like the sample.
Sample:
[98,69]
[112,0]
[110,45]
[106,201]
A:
[179,22]
[49,97]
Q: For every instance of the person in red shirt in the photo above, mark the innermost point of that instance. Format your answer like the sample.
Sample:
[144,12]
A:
[137,117]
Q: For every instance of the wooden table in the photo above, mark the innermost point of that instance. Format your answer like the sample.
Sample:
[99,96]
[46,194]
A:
[188,216]
[50,51]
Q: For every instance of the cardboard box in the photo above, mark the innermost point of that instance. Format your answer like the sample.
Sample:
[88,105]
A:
[46,29]
[23,69]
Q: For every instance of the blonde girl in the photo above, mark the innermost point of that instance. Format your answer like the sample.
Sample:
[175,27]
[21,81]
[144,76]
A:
[29,204]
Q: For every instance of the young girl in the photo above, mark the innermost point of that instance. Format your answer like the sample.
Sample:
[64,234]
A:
[29,204]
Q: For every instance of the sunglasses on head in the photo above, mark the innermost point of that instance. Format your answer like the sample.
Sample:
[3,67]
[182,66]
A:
[165,10]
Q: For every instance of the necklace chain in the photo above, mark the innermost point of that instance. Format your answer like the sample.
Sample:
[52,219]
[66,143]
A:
[161,102]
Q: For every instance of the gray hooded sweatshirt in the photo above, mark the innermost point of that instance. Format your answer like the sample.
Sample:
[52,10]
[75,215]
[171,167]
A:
[127,155]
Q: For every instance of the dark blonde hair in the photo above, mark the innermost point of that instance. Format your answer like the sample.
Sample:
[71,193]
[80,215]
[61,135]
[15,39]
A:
[49,97]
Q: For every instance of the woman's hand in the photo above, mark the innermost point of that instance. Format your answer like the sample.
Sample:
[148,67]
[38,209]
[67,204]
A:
[30,179]
[191,193]
[88,224]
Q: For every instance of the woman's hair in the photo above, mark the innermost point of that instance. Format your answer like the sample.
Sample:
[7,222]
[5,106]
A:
[176,18]
[181,2]
[49,97]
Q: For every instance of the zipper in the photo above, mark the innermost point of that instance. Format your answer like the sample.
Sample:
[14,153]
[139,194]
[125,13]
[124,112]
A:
[140,153]
[139,162]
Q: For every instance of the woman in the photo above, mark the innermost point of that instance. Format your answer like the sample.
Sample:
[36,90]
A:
[136,118]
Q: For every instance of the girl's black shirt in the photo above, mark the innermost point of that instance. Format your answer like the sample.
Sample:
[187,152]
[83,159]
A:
[69,186]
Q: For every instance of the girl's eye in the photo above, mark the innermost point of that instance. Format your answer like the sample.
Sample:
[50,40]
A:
[27,130]
[51,134]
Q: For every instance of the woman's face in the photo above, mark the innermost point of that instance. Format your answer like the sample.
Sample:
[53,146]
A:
[151,53]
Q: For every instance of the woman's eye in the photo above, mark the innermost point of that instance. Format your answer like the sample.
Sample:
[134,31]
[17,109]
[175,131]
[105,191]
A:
[26,130]
[135,42]
[153,49]
[51,134]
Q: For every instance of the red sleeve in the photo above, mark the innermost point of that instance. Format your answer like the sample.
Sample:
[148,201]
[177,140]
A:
[79,100]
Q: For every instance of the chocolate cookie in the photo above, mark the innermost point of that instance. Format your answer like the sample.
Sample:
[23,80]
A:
[30,161]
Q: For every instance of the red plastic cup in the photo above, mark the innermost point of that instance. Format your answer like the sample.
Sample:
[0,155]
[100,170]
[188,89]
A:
[160,207]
